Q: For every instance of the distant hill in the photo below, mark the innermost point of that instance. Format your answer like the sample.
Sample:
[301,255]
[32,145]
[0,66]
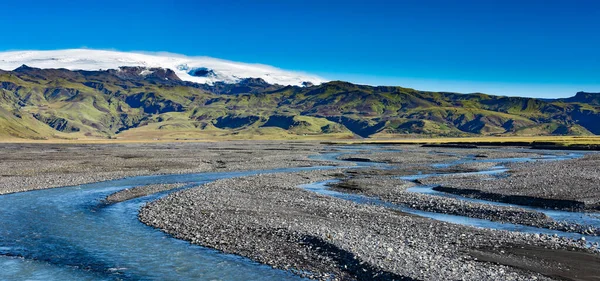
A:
[583,97]
[144,103]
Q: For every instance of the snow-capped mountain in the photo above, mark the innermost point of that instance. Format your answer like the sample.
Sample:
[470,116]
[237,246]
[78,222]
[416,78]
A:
[196,69]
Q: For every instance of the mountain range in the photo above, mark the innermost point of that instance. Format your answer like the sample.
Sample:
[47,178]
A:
[152,102]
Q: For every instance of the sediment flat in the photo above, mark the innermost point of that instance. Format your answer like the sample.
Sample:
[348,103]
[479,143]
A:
[394,191]
[269,219]
[415,155]
[569,184]
[36,166]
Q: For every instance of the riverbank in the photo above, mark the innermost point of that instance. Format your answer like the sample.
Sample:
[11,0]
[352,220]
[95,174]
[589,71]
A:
[139,191]
[33,166]
[269,219]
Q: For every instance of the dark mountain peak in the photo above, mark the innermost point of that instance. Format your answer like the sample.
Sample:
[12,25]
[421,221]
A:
[586,94]
[244,86]
[45,73]
[145,73]
[340,83]
[257,82]
[24,68]
[585,97]
[336,86]
[202,72]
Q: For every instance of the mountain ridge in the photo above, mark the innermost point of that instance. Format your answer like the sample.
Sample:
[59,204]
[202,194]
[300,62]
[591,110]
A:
[150,102]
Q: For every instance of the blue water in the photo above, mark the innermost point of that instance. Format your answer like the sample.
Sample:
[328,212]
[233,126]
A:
[70,234]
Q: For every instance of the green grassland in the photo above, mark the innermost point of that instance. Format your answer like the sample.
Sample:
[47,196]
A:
[58,104]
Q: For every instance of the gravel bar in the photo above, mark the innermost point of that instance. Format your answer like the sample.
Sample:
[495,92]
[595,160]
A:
[269,219]
[37,166]
[569,184]
[394,191]
[139,191]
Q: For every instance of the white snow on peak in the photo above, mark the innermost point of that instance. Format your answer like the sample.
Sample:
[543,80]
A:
[146,72]
[88,59]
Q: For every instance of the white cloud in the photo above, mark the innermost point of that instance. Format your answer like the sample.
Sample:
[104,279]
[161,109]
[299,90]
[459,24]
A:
[89,59]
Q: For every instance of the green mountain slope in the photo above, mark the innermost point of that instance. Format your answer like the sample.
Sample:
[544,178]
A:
[59,103]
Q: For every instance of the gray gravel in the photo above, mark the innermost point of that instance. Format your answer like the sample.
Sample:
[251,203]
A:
[269,219]
[575,180]
[37,166]
[409,156]
[414,155]
[139,191]
[394,191]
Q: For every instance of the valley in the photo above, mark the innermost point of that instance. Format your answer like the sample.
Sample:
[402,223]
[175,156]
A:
[270,140]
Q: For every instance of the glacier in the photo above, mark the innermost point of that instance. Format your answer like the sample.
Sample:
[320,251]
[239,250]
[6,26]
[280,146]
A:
[186,67]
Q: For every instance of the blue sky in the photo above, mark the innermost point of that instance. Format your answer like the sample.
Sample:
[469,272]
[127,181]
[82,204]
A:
[526,48]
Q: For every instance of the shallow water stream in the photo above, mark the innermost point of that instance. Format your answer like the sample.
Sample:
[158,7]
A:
[70,234]
[583,218]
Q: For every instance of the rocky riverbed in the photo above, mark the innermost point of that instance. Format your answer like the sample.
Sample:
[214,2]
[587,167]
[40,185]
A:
[569,184]
[395,191]
[414,155]
[139,191]
[269,219]
[36,166]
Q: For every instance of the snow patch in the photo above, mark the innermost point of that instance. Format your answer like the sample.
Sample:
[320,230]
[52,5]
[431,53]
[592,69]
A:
[146,72]
[183,66]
